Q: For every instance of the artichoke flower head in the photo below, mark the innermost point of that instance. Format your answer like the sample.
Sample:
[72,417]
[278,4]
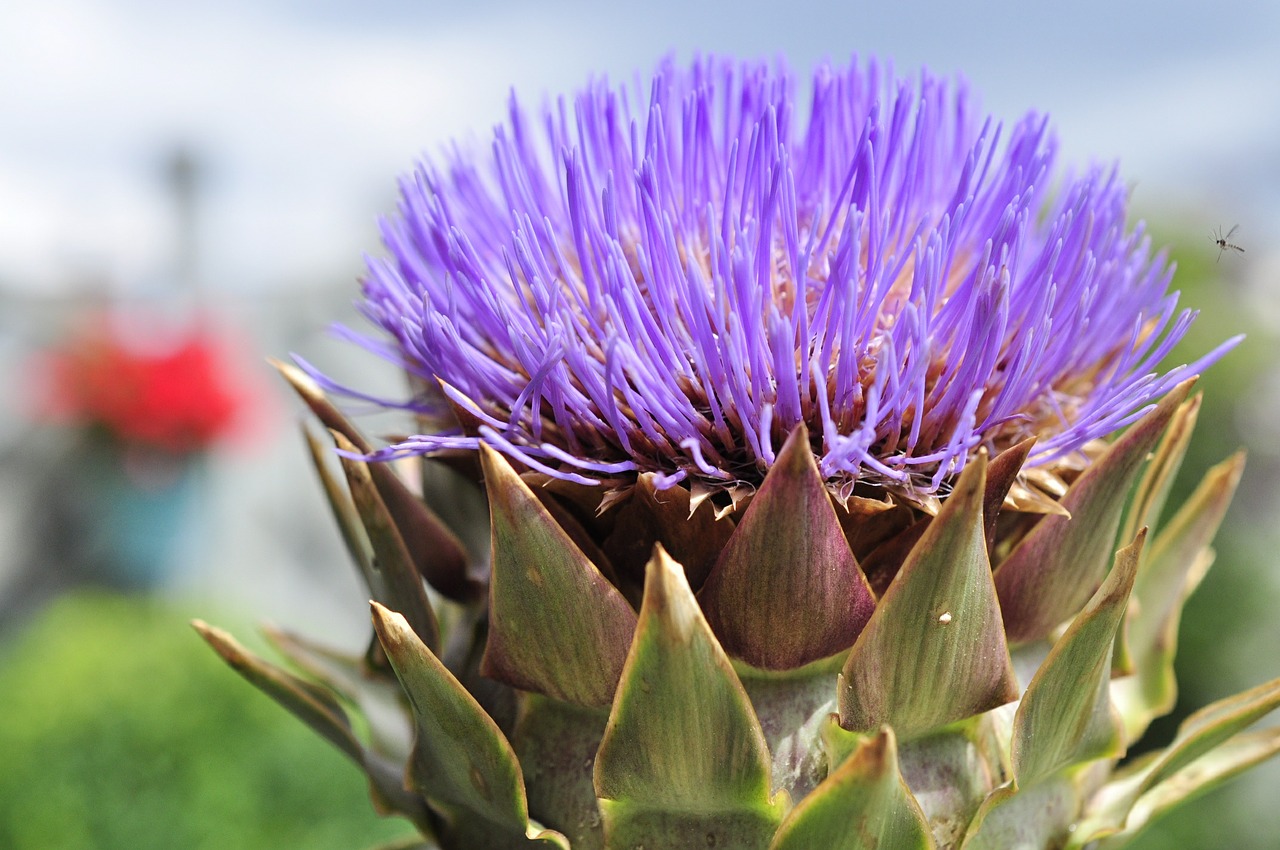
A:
[771,493]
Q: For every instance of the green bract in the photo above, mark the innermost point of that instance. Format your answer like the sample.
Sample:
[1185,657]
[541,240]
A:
[813,674]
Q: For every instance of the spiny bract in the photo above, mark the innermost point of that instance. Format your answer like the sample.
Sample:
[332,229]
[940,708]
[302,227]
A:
[764,495]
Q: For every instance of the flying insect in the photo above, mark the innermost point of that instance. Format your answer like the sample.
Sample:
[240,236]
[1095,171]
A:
[1224,243]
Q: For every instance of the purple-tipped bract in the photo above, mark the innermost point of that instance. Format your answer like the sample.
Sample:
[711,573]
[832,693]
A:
[669,280]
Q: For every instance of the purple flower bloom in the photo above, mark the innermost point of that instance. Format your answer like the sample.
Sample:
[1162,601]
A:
[671,280]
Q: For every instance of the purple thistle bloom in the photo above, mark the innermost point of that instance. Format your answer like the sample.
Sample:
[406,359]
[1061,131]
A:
[671,280]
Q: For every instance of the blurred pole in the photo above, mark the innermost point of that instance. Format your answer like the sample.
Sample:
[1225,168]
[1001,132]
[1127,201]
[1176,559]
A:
[184,177]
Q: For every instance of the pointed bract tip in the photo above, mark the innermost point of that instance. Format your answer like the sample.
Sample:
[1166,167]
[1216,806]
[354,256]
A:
[1178,394]
[878,747]
[972,483]
[796,453]
[391,627]
[222,643]
[301,382]
[492,463]
[668,597]
[664,574]
[343,442]
[209,632]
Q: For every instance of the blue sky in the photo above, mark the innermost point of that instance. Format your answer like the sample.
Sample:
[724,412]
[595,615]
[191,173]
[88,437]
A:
[304,112]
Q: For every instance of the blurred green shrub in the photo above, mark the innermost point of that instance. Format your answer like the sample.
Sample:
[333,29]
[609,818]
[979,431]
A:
[120,729]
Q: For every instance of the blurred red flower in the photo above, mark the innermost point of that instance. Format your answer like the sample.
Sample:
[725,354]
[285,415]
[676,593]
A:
[180,398]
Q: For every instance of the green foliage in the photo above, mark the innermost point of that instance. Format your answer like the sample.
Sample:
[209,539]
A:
[120,730]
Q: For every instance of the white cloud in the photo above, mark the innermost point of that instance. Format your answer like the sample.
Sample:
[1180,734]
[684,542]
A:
[304,129]
[304,121]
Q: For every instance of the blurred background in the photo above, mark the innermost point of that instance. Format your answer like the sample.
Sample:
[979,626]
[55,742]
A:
[210,173]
